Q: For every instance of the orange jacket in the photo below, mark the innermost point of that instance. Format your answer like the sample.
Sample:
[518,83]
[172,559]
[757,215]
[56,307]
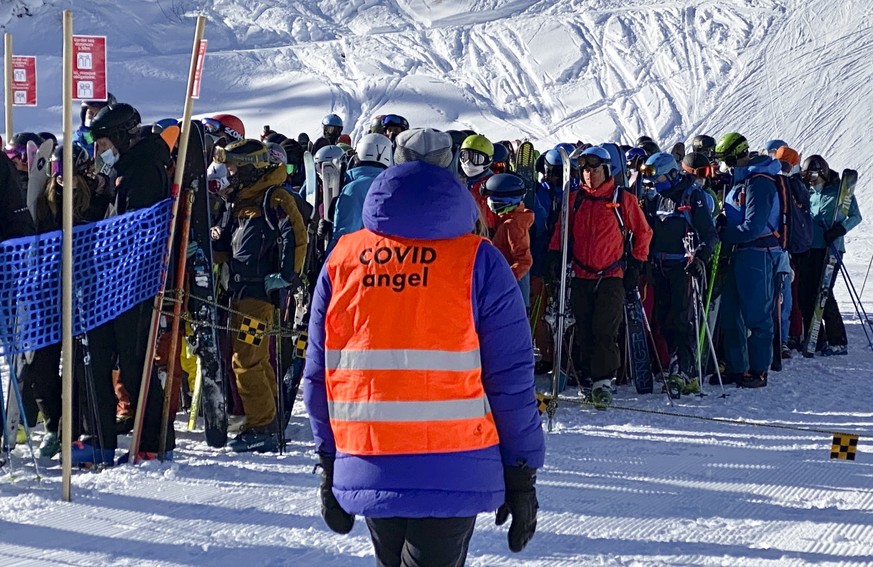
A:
[402,367]
[596,242]
[512,238]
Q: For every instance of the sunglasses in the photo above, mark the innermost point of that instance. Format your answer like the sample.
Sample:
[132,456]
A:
[16,152]
[474,157]
[591,161]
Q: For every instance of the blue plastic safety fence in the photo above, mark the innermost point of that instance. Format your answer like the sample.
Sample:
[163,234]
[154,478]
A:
[118,263]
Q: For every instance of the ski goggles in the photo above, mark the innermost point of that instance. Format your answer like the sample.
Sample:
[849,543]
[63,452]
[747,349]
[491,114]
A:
[19,152]
[395,121]
[474,157]
[332,131]
[221,155]
[810,175]
[705,171]
[212,126]
[591,161]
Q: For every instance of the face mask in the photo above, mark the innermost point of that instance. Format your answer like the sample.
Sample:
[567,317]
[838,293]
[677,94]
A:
[107,158]
[471,170]
[723,167]
[662,186]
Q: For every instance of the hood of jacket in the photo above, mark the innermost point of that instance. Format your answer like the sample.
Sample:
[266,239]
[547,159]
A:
[758,164]
[419,200]
[257,189]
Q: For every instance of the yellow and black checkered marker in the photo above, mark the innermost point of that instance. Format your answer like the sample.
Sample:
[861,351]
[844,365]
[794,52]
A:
[844,447]
[251,331]
[300,344]
[543,402]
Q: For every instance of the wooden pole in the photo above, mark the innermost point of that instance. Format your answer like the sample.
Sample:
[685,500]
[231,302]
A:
[7,82]
[185,128]
[67,270]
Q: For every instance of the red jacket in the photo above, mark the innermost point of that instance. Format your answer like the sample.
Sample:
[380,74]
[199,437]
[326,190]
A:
[512,238]
[596,242]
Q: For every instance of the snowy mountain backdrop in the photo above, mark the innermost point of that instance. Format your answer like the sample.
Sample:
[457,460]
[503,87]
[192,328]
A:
[620,487]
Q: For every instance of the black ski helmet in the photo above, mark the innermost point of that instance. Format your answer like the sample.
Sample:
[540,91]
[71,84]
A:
[100,104]
[650,147]
[641,140]
[82,162]
[703,144]
[117,122]
[815,164]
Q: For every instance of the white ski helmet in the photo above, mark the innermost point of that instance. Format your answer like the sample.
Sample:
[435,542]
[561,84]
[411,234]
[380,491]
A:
[375,148]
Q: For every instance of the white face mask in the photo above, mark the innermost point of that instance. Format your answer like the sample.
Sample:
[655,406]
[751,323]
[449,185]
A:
[471,170]
[723,167]
[108,158]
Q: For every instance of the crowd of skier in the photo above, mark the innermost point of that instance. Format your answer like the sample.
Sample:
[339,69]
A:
[682,232]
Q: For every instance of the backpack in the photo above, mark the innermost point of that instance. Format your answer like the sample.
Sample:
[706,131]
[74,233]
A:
[795,215]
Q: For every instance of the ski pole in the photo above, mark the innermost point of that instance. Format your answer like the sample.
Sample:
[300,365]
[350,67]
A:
[856,302]
[867,273]
[654,347]
[90,387]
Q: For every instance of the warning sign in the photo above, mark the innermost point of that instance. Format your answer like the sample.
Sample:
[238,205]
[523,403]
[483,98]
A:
[23,80]
[844,446]
[89,67]
[198,70]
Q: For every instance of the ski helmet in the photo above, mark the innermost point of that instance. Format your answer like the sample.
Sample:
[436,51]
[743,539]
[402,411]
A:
[731,147]
[457,136]
[228,125]
[770,146]
[119,123]
[815,166]
[568,147]
[697,165]
[82,162]
[657,165]
[375,149]
[594,157]
[500,159]
[635,157]
[394,124]
[17,147]
[505,191]
[332,120]
[96,105]
[163,124]
[703,144]
[277,154]
[678,151]
[553,158]
[303,139]
[476,155]
[650,147]
[376,126]
[244,152]
[642,139]
[275,138]
[329,153]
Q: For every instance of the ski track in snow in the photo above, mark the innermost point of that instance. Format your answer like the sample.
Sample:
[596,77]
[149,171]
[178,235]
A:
[619,487]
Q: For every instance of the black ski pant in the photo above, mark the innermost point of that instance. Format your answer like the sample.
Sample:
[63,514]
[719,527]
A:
[810,266]
[598,306]
[42,378]
[674,313]
[124,338]
[421,542]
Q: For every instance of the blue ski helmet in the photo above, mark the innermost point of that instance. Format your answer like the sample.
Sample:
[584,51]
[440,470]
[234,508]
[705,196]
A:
[505,191]
[553,158]
[661,163]
[595,156]
[332,120]
[566,145]
[772,145]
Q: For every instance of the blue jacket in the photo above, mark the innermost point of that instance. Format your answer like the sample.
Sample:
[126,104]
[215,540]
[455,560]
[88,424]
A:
[823,204]
[423,201]
[753,219]
[350,203]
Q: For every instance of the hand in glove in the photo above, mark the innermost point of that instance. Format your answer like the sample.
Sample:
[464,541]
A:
[324,230]
[632,274]
[521,503]
[275,281]
[695,268]
[833,233]
[703,253]
[337,519]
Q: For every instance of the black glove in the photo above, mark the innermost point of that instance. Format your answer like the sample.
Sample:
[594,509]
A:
[294,282]
[521,503]
[553,265]
[720,222]
[695,268]
[703,253]
[324,230]
[834,232]
[632,274]
[337,519]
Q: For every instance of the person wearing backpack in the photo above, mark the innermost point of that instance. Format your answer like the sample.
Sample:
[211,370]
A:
[677,208]
[749,229]
[608,244]
[827,232]
[264,244]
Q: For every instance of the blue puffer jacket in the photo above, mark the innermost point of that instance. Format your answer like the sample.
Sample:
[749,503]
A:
[350,204]
[753,217]
[422,201]
[822,204]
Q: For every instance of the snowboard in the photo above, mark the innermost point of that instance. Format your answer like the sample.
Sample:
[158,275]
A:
[38,176]
[639,362]
[209,392]
[829,273]
[330,186]
[311,181]
[711,305]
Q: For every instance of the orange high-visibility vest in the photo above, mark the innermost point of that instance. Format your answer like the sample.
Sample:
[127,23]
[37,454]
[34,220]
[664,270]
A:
[401,350]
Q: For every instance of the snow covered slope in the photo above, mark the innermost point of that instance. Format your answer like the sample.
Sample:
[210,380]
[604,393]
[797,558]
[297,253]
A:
[620,487]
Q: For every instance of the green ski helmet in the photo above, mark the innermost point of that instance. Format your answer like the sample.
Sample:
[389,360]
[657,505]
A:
[478,143]
[731,147]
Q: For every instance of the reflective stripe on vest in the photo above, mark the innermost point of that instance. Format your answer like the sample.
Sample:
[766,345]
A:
[402,361]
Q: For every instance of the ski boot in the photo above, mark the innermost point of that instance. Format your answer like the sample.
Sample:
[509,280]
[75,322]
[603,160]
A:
[601,393]
[753,380]
[50,446]
[683,383]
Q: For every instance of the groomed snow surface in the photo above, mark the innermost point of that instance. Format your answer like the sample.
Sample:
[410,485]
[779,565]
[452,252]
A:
[643,484]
